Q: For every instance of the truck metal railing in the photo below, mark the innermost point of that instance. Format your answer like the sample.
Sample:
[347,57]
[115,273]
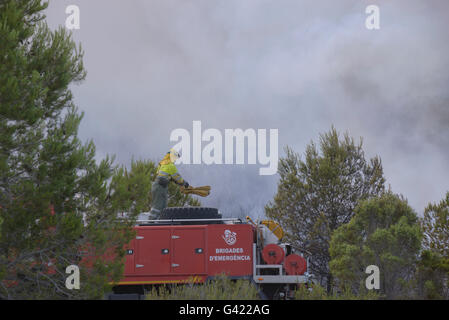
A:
[188,220]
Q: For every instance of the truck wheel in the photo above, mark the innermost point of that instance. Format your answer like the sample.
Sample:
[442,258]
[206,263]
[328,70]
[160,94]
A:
[190,213]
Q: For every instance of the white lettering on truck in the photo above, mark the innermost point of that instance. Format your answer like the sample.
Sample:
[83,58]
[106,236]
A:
[234,257]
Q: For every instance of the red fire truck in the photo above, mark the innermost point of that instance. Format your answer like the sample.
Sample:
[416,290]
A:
[197,244]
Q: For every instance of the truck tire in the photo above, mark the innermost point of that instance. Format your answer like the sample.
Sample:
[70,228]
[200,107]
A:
[190,213]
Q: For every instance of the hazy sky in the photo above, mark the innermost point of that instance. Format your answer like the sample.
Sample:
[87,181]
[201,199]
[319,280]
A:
[297,66]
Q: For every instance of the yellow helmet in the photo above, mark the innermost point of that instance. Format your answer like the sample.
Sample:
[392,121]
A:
[174,155]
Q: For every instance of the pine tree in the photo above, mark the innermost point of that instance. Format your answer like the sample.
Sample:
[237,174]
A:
[54,209]
[384,232]
[319,194]
[436,227]
[433,268]
[58,205]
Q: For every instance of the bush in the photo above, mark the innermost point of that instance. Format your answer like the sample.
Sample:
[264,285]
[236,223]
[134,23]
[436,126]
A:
[317,292]
[221,288]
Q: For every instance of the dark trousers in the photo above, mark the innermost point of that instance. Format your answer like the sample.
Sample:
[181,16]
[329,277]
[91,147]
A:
[159,190]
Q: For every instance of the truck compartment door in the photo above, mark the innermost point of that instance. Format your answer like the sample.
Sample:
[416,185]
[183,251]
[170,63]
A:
[189,255]
[153,252]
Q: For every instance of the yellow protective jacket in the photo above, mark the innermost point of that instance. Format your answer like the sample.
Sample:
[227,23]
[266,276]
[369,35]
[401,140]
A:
[168,170]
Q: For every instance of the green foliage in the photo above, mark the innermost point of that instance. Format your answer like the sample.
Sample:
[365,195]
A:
[317,292]
[130,189]
[53,194]
[384,232]
[432,277]
[435,225]
[58,205]
[319,194]
[221,288]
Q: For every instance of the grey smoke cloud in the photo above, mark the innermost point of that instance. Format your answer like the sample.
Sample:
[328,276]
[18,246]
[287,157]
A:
[297,66]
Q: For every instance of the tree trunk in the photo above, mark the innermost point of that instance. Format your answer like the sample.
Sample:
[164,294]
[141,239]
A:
[329,284]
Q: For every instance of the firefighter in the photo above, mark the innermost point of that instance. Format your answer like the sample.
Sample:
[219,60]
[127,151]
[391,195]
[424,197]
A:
[166,172]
